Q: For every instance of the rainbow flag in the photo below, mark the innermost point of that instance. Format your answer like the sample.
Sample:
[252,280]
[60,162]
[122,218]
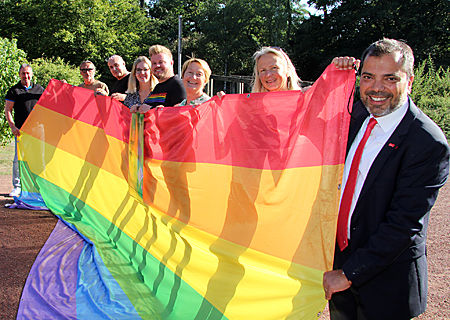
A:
[230,213]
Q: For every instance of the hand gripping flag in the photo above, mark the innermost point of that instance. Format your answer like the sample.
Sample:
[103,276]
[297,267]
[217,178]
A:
[224,211]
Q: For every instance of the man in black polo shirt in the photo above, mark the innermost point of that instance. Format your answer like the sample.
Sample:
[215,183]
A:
[170,89]
[22,97]
[119,70]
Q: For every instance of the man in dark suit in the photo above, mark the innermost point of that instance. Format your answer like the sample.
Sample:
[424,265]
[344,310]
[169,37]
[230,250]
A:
[380,264]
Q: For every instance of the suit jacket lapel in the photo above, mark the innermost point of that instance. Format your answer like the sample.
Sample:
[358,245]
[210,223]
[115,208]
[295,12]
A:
[361,115]
[391,145]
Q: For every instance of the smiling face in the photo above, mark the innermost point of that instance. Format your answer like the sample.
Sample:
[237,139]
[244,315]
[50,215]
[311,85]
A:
[194,79]
[117,67]
[25,74]
[272,72]
[143,73]
[162,66]
[384,85]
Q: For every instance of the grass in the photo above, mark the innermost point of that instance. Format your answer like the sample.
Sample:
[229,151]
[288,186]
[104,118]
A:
[6,159]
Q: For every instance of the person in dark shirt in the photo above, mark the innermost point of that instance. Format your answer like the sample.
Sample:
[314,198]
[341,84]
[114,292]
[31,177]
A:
[119,70]
[397,159]
[21,97]
[170,89]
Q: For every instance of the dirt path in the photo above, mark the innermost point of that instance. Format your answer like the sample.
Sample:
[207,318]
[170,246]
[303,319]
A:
[22,235]
[24,232]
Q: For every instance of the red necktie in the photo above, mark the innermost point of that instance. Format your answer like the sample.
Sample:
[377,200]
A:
[347,197]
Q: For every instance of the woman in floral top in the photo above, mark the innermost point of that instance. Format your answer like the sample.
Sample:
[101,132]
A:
[195,74]
[140,83]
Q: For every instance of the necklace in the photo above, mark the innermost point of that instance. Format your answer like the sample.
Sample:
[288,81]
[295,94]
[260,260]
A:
[143,94]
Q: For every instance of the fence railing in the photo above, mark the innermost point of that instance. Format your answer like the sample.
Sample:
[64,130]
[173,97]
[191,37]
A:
[234,84]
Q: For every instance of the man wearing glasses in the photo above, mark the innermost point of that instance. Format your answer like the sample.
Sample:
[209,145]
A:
[87,71]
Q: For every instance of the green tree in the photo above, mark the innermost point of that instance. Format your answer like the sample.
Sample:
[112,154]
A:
[76,30]
[46,69]
[352,25]
[164,15]
[10,59]
[226,32]
[431,92]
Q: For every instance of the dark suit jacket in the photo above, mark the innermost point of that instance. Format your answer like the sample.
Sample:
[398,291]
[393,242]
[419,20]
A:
[387,260]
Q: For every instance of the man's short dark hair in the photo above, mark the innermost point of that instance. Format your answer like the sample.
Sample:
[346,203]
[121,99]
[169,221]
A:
[389,46]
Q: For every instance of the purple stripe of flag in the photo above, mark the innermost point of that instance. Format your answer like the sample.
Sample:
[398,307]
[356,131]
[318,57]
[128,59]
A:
[49,292]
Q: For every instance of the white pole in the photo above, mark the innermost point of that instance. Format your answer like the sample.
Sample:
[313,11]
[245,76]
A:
[179,45]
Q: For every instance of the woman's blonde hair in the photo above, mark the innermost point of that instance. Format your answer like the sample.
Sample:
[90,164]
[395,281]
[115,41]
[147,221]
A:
[293,81]
[133,84]
[201,62]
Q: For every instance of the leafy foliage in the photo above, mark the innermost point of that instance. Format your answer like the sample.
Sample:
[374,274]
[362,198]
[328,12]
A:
[10,59]
[46,69]
[350,26]
[76,30]
[431,93]
[227,33]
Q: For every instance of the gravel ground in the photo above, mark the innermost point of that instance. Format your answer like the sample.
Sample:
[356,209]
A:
[22,235]
[24,232]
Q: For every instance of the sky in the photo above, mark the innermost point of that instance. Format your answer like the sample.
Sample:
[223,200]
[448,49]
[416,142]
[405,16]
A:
[310,9]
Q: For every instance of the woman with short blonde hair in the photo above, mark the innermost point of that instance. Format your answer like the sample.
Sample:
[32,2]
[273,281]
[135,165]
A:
[195,74]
